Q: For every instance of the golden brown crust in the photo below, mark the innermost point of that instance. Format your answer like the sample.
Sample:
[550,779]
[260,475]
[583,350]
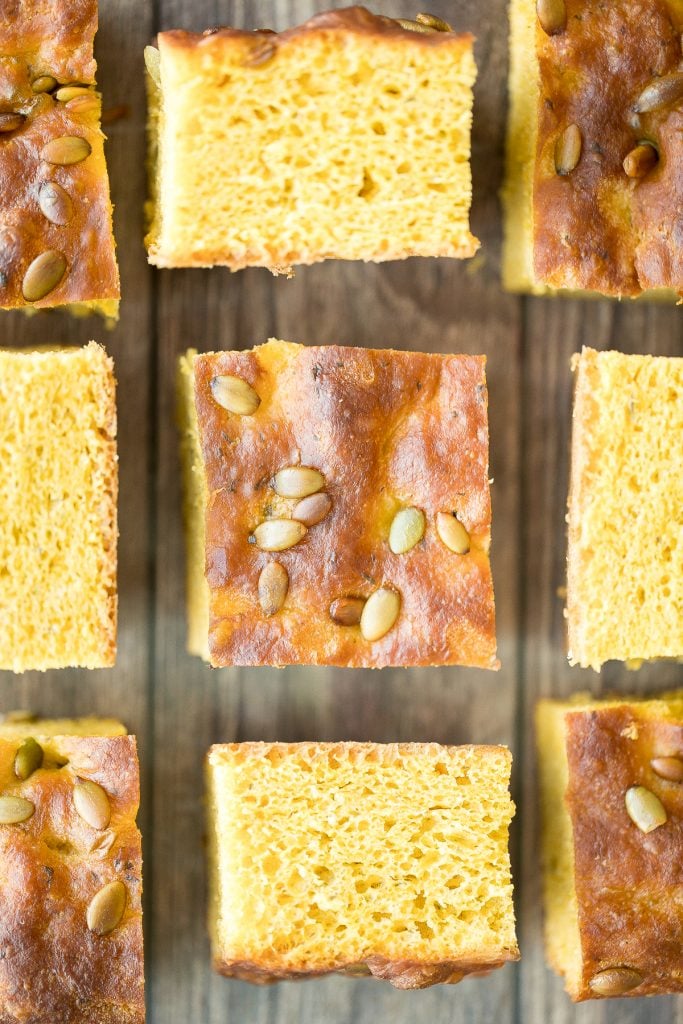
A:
[52,967]
[402,974]
[387,430]
[347,19]
[629,885]
[36,41]
[595,228]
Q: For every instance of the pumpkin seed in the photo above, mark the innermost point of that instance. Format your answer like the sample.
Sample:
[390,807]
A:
[260,54]
[669,768]
[346,611]
[414,26]
[10,122]
[552,16]
[55,203]
[279,534]
[615,981]
[67,149]
[312,510]
[568,149]
[14,809]
[407,529]
[102,844]
[431,21]
[660,93]
[92,804]
[297,481]
[28,758]
[235,395]
[379,613]
[44,83]
[452,533]
[70,92]
[84,104]
[640,161]
[43,275]
[273,584]
[106,908]
[644,808]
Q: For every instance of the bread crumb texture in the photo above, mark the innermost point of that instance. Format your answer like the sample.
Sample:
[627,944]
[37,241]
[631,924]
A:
[625,584]
[346,138]
[58,488]
[55,966]
[613,893]
[390,860]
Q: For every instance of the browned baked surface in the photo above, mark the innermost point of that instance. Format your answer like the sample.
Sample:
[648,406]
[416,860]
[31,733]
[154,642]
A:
[596,228]
[53,968]
[629,884]
[38,40]
[387,430]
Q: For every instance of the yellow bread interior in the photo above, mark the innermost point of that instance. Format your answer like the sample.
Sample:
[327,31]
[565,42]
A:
[561,918]
[58,531]
[624,586]
[522,134]
[346,144]
[194,511]
[29,725]
[325,854]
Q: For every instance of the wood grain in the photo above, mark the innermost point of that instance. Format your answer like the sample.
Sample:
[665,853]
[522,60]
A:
[177,705]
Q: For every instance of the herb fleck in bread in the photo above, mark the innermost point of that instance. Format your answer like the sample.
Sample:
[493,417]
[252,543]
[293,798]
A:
[345,138]
[388,860]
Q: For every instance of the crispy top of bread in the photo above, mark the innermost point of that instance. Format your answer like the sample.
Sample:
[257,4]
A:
[625,587]
[347,137]
[56,966]
[55,194]
[614,894]
[595,227]
[388,431]
[58,483]
[388,860]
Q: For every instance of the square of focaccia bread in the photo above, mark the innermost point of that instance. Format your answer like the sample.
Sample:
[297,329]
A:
[337,507]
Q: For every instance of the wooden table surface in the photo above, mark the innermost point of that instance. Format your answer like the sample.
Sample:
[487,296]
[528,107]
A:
[175,704]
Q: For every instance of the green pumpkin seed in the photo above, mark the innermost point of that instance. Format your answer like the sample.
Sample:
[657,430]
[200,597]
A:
[669,768]
[312,510]
[407,529]
[298,481]
[28,759]
[14,809]
[452,533]
[644,809]
[235,395]
[43,275]
[92,803]
[106,908]
[347,611]
[552,16]
[379,614]
[55,203]
[279,534]
[615,981]
[273,585]
[10,122]
[44,83]
[66,150]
